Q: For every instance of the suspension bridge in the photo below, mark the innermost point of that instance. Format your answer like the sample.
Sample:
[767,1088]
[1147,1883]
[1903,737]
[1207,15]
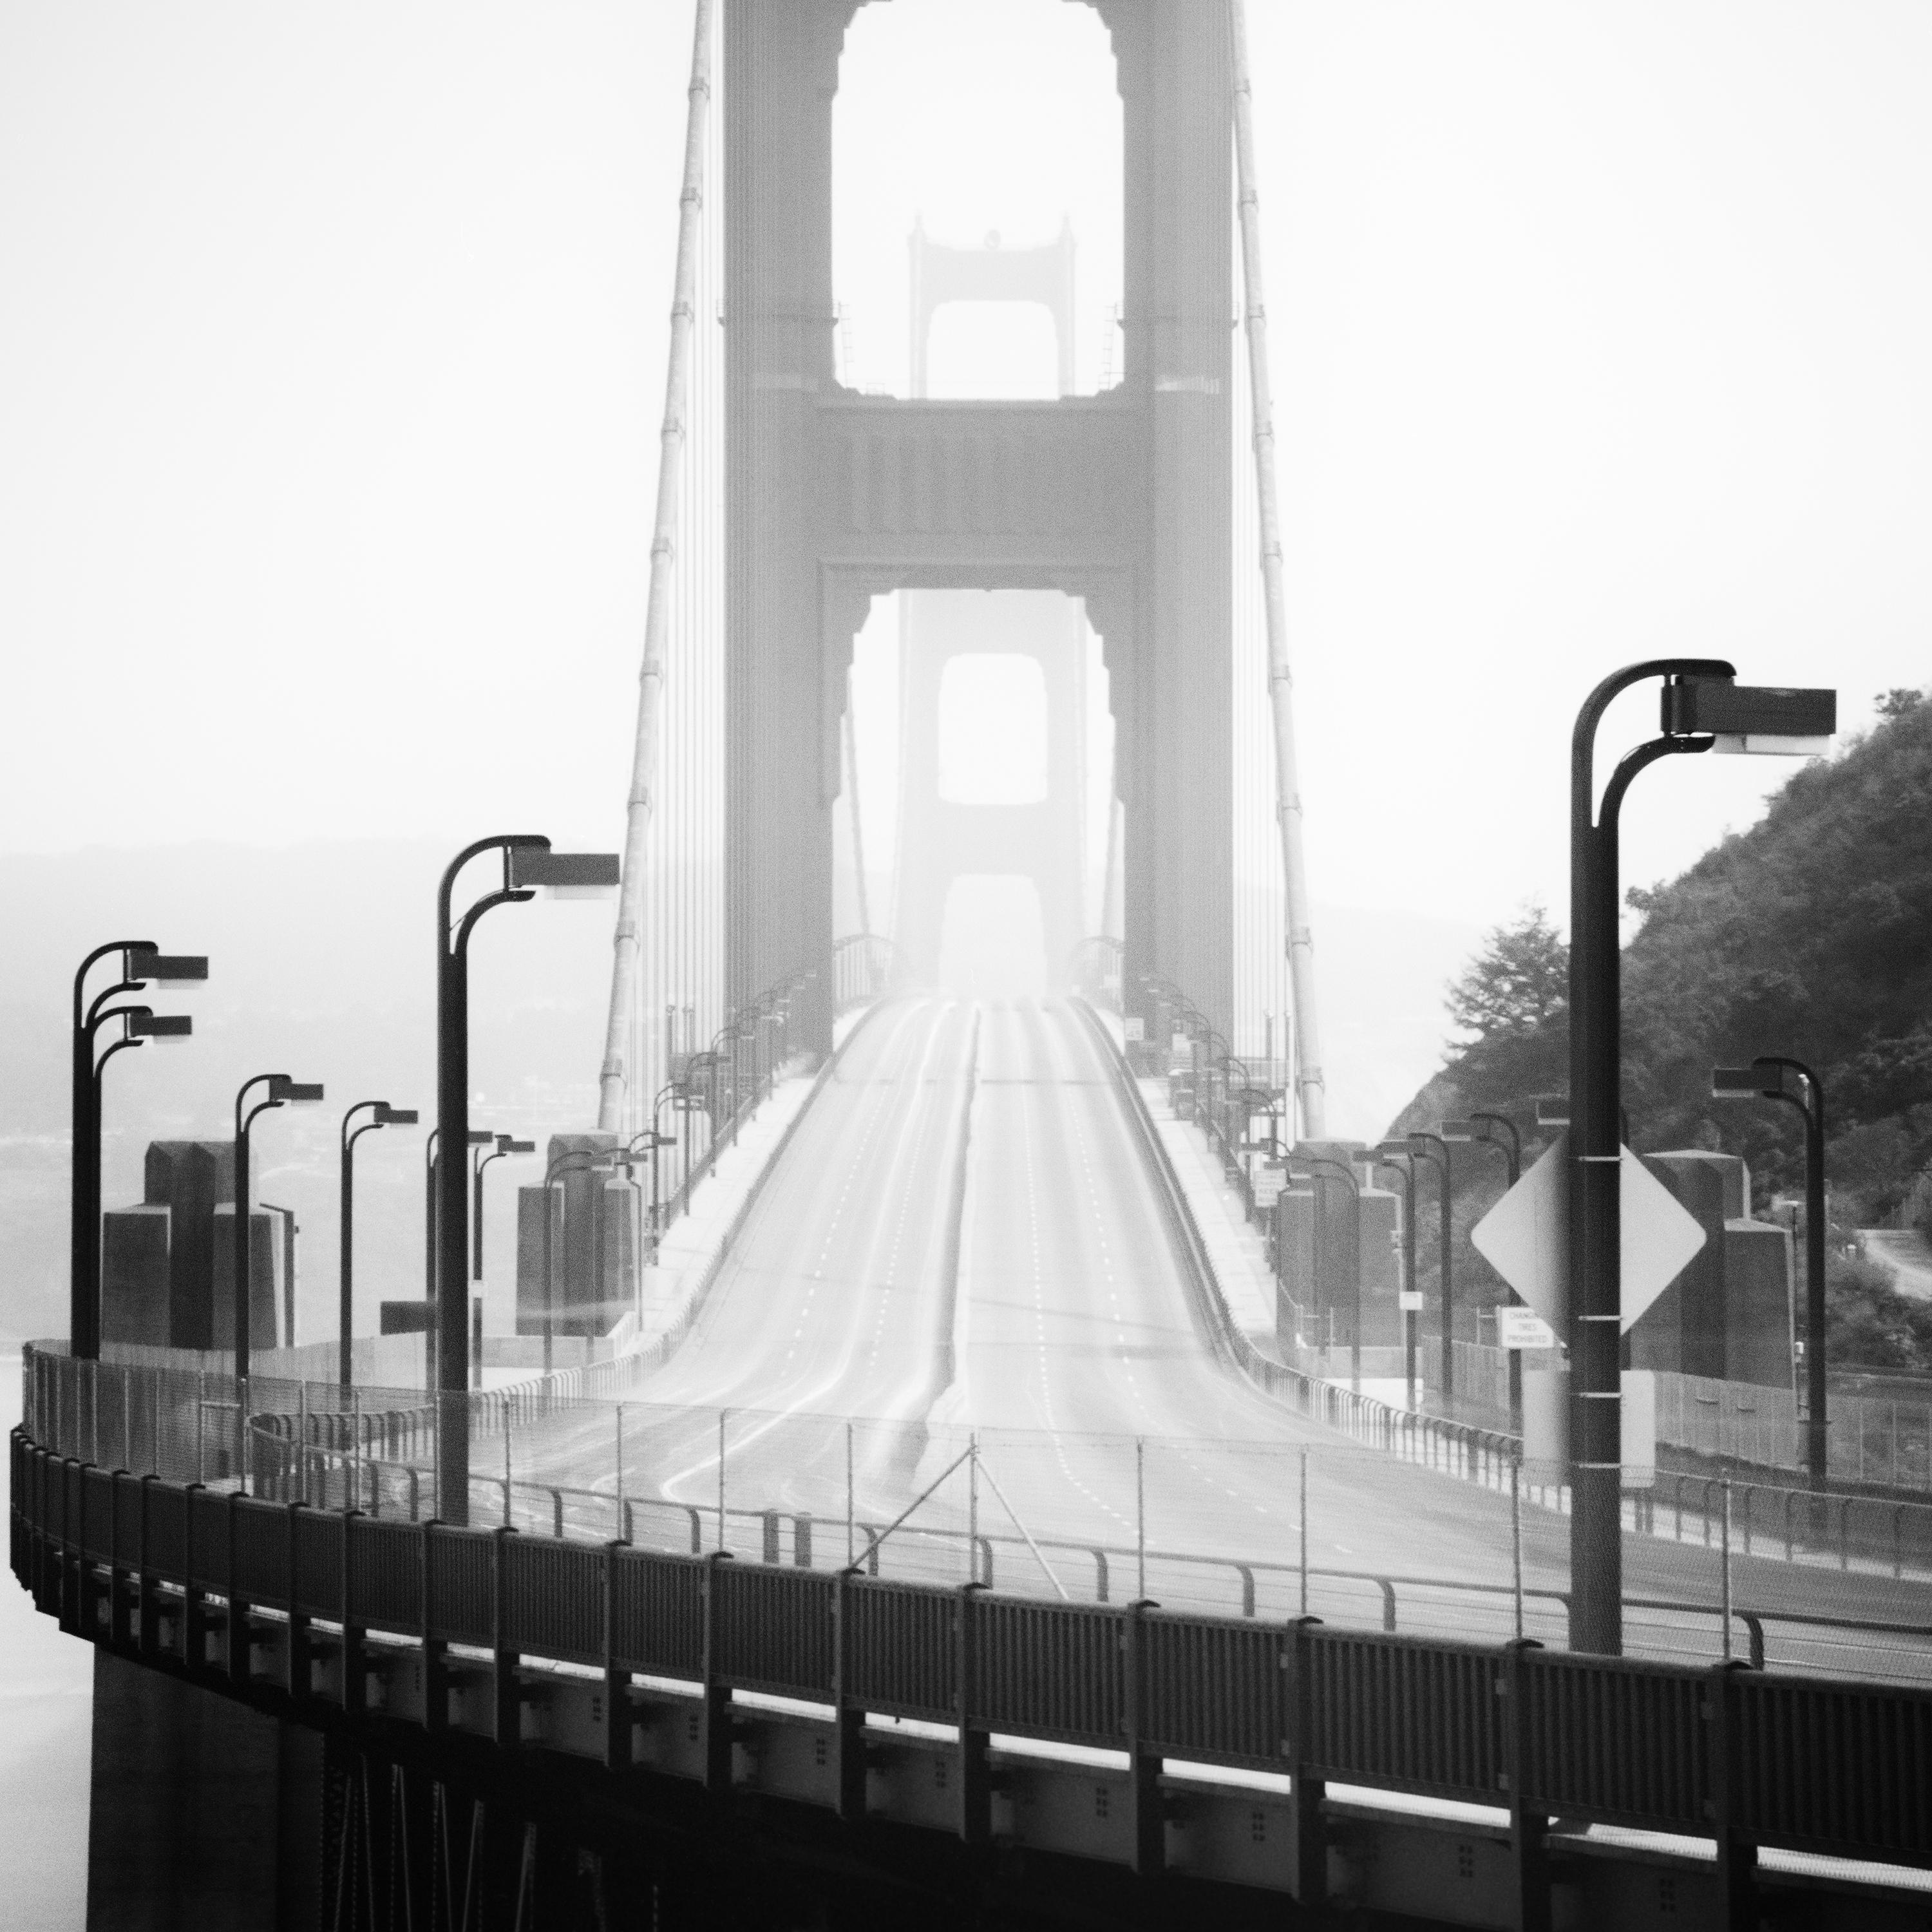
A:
[939,1494]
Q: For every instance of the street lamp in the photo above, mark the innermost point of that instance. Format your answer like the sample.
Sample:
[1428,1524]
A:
[671,1090]
[572,1160]
[1703,709]
[1775,1077]
[1483,1127]
[529,867]
[142,962]
[1308,1167]
[504,1145]
[432,1168]
[381,1114]
[1487,1128]
[1399,1155]
[1432,1147]
[281,1091]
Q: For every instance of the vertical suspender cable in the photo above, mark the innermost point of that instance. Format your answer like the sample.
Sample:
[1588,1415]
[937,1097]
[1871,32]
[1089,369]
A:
[852,812]
[615,1072]
[1308,1080]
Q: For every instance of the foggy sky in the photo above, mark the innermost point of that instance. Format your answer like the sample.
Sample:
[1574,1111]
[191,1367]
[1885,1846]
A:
[333,353]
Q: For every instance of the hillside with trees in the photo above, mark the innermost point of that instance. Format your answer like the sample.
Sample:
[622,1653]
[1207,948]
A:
[1809,935]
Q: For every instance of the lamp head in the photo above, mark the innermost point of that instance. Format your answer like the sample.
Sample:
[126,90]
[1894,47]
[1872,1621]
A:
[481,1137]
[1751,718]
[1762,1080]
[387,1116]
[561,875]
[1389,1150]
[167,969]
[505,1144]
[1553,1110]
[163,1028]
[1459,1131]
[282,1088]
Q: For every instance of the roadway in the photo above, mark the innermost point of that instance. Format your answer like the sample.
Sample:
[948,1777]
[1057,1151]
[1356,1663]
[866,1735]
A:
[961,1241]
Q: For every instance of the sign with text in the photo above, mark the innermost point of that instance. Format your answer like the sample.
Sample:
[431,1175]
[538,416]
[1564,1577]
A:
[1523,1328]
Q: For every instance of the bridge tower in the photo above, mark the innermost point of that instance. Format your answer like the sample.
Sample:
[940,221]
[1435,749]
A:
[1122,499]
[941,840]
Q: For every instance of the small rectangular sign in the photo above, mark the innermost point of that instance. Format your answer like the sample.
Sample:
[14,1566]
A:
[1410,1301]
[1523,1328]
[1136,1029]
[1181,1046]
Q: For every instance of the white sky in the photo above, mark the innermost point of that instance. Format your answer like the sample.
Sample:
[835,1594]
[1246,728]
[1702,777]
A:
[332,344]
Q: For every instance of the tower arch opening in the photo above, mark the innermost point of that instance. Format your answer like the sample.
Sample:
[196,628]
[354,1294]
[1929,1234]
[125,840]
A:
[954,128]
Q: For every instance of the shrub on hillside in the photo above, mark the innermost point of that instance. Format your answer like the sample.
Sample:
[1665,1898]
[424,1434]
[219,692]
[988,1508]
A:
[1868,1323]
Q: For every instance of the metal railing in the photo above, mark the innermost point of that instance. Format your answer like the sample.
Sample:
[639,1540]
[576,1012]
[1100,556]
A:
[173,1571]
[1855,1566]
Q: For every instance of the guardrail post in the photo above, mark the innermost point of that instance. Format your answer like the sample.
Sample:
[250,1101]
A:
[717,1692]
[355,1657]
[849,1717]
[1737,1851]
[975,1781]
[506,1724]
[618,1724]
[117,1590]
[1143,1766]
[64,1583]
[299,1682]
[147,1602]
[1529,1842]
[1308,1850]
[237,1632]
[435,1651]
[194,1603]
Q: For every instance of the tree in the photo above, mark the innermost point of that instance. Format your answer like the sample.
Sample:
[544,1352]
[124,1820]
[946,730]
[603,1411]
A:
[1897,702]
[1517,984]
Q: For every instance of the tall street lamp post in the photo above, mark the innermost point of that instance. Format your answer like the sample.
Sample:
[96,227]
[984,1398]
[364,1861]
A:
[1310,1168]
[381,1114]
[1704,710]
[530,866]
[281,1090]
[1432,1147]
[1490,1130]
[576,1160]
[671,1090]
[1398,1155]
[432,1167]
[1775,1077]
[139,1025]
[142,962]
[504,1145]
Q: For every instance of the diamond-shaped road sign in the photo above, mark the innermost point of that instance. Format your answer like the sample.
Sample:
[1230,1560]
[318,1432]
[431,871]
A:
[1525,1237]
